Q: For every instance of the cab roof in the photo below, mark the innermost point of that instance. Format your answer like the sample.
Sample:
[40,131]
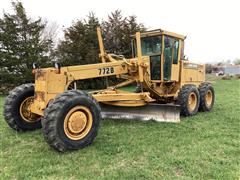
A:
[156,32]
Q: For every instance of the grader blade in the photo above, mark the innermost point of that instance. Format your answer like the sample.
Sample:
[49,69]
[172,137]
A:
[156,112]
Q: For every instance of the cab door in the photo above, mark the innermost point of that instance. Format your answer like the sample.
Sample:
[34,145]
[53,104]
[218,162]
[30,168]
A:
[171,59]
[152,46]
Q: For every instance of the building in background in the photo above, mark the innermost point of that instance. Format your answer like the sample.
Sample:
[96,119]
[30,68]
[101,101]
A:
[226,69]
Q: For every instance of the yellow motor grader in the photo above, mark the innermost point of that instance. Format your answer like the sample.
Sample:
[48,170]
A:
[168,85]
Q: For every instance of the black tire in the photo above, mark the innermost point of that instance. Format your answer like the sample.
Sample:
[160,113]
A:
[183,96]
[203,90]
[55,113]
[12,108]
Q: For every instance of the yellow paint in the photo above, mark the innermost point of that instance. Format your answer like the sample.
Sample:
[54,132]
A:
[78,122]
[128,103]
[209,98]
[49,82]
[25,112]
[139,55]
[101,46]
[192,101]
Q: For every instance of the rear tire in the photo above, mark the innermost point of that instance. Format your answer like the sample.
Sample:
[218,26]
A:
[189,99]
[207,97]
[71,121]
[15,111]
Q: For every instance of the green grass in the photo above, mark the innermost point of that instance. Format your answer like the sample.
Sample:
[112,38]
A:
[205,146]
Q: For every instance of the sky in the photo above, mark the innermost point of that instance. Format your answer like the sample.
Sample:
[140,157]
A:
[212,27]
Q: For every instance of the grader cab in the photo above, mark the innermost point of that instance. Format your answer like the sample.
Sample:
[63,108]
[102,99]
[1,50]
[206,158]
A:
[167,86]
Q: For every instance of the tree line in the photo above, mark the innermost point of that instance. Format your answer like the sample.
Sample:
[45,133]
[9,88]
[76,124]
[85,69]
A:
[23,40]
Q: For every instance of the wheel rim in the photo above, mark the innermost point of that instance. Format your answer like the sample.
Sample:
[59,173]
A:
[78,122]
[26,113]
[192,101]
[209,98]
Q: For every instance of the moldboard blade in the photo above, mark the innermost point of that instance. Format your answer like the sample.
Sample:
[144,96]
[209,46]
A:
[156,112]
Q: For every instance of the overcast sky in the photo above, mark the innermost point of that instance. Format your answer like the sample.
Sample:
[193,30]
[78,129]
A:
[212,26]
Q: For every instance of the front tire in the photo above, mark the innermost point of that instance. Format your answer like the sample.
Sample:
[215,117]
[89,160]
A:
[16,109]
[71,121]
[189,99]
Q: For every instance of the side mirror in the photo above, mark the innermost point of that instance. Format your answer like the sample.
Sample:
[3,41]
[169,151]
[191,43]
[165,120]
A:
[35,65]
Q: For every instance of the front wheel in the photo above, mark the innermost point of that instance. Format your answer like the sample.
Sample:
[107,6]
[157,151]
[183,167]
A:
[71,121]
[17,109]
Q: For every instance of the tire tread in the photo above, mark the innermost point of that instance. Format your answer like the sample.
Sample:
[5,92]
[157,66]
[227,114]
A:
[49,122]
[8,111]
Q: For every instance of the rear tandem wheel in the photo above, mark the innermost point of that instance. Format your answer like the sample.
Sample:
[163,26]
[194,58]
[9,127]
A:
[207,97]
[189,99]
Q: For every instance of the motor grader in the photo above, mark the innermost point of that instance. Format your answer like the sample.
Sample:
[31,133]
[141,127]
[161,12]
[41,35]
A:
[168,85]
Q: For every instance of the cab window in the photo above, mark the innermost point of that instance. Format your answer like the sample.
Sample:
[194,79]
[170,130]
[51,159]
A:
[151,45]
[171,49]
[175,51]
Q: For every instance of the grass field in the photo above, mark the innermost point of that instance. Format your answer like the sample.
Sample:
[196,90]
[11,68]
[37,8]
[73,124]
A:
[205,146]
